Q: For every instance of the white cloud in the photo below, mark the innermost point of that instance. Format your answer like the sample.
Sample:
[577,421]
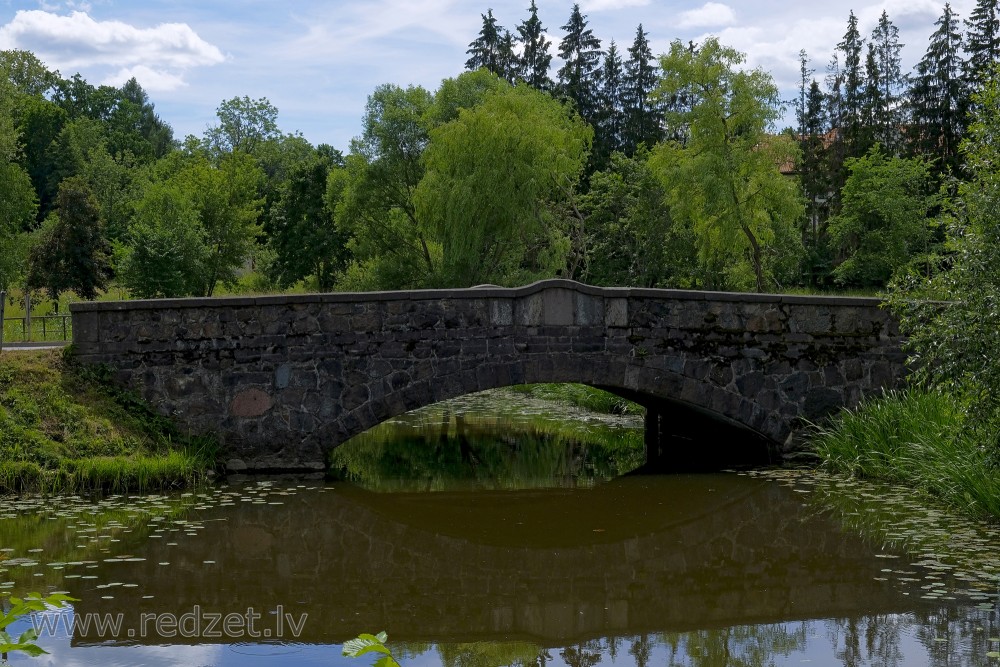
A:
[76,41]
[709,15]
[152,80]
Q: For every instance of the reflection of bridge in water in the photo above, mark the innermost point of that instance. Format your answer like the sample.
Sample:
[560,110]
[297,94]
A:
[638,555]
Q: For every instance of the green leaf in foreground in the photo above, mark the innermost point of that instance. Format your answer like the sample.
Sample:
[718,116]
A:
[365,643]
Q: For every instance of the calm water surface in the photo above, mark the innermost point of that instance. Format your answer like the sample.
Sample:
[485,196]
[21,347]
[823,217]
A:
[473,547]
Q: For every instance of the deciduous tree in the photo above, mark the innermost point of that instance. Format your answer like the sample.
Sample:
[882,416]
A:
[490,174]
[724,181]
[883,225]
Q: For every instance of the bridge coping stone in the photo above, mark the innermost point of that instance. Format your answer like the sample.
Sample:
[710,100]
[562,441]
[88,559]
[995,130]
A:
[476,293]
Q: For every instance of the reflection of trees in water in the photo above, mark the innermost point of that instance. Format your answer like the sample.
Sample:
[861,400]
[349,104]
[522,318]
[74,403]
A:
[740,646]
[583,655]
[487,654]
[958,636]
[491,452]
[950,636]
[872,640]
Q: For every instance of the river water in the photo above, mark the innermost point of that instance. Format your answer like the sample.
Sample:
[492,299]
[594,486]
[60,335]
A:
[477,539]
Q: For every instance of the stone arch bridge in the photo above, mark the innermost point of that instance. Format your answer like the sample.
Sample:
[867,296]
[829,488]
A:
[284,379]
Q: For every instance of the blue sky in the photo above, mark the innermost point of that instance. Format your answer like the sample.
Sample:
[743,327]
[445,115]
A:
[317,61]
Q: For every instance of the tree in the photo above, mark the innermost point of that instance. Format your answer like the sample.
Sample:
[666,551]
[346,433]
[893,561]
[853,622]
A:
[950,316]
[490,174]
[485,52]
[165,253]
[610,130]
[207,212]
[852,76]
[883,225]
[228,207]
[982,41]
[72,253]
[17,213]
[632,240]
[27,73]
[816,182]
[390,249]
[885,85]
[508,64]
[938,96]
[300,227]
[724,180]
[40,122]
[535,56]
[244,124]
[642,115]
[579,76]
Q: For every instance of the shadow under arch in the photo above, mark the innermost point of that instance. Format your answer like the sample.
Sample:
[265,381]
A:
[691,425]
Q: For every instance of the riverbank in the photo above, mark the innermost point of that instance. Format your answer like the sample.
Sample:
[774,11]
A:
[66,429]
[923,440]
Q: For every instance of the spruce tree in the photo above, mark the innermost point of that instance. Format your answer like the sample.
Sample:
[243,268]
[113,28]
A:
[535,57]
[872,104]
[508,64]
[852,77]
[484,51]
[887,118]
[937,97]
[579,77]
[816,183]
[642,117]
[611,117]
[982,41]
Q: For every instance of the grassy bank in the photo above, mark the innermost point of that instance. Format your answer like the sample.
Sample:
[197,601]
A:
[68,429]
[922,440]
[582,396]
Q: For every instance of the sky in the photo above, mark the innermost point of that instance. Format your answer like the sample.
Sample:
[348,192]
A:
[318,60]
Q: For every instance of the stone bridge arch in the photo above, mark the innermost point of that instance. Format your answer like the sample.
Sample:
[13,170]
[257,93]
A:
[283,379]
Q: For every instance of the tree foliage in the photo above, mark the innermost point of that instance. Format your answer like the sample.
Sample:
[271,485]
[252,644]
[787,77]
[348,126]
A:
[301,229]
[938,95]
[579,76]
[884,224]
[376,209]
[632,239]
[244,125]
[952,316]
[723,178]
[490,173]
[201,217]
[72,252]
[535,57]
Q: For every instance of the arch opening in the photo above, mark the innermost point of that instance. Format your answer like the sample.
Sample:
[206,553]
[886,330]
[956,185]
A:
[518,437]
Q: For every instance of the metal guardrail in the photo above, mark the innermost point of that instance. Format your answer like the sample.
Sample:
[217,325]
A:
[38,329]
[33,328]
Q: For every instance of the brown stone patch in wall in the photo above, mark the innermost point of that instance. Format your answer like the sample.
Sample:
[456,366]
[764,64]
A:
[250,403]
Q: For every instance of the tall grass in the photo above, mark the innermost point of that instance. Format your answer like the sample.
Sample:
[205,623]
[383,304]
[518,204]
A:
[921,439]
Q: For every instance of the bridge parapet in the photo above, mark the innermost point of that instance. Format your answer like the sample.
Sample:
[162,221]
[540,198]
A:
[283,379]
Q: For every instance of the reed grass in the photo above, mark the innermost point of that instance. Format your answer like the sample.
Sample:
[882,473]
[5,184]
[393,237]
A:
[921,439]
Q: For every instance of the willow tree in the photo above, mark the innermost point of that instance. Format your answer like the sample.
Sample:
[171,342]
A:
[722,170]
[491,174]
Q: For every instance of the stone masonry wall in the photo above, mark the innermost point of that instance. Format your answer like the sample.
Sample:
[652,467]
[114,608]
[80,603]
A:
[283,379]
